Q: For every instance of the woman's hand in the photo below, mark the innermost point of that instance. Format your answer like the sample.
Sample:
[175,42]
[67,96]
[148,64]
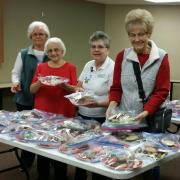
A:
[35,86]
[16,87]
[140,117]
[79,89]
[92,104]
[111,107]
[67,87]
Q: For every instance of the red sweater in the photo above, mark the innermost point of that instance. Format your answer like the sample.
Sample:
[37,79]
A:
[162,85]
[51,98]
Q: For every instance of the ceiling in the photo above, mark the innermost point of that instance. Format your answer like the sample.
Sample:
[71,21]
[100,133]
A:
[129,2]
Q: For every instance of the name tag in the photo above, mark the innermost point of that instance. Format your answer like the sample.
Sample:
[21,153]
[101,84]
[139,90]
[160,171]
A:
[87,78]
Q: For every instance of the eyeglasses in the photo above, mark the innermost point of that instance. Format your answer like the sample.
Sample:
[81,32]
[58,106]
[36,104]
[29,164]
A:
[139,35]
[97,47]
[53,50]
[38,34]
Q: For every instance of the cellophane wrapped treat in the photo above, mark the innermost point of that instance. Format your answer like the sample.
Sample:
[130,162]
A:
[153,150]
[41,138]
[92,154]
[81,98]
[167,140]
[122,121]
[175,106]
[121,159]
[79,124]
[52,80]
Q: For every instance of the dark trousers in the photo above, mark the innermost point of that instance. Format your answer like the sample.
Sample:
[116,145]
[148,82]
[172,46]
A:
[26,156]
[152,174]
[81,174]
[21,107]
[44,164]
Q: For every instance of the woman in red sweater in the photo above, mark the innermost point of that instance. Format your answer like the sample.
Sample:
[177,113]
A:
[51,98]
[154,69]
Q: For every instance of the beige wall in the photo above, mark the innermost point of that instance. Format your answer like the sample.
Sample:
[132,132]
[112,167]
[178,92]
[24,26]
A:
[72,20]
[166,33]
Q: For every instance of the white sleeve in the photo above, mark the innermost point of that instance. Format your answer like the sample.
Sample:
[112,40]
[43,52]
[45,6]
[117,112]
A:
[83,73]
[16,72]
[81,77]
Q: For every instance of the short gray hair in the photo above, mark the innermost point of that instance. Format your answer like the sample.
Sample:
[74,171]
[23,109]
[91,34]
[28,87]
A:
[139,16]
[36,24]
[100,35]
[57,41]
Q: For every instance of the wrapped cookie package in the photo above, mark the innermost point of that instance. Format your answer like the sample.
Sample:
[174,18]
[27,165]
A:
[52,80]
[81,98]
[122,117]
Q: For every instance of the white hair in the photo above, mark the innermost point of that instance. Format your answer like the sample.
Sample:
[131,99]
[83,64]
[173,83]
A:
[36,24]
[139,16]
[57,41]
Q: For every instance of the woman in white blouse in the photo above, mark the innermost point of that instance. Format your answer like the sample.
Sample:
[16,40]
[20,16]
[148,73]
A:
[96,77]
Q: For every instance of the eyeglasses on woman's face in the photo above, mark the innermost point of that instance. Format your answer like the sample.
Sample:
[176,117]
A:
[139,35]
[97,47]
[38,34]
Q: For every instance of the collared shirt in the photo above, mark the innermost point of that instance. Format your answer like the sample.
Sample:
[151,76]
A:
[99,82]
[16,72]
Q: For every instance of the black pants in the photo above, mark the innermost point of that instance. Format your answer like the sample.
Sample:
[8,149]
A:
[21,107]
[81,174]
[44,164]
[26,156]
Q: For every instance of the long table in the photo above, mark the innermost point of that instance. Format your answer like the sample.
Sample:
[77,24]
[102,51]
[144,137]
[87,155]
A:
[92,167]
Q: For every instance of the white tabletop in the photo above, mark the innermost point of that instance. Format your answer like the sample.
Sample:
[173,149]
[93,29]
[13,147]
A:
[93,167]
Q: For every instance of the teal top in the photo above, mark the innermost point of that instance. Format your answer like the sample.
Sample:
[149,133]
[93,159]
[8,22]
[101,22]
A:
[30,61]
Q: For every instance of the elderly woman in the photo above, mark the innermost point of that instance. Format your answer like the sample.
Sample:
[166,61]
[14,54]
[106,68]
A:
[23,71]
[51,98]
[46,96]
[25,65]
[154,69]
[97,78]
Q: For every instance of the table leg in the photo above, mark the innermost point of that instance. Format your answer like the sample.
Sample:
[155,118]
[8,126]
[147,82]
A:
[17,166]
[10,168]
[1,98]
[171,91]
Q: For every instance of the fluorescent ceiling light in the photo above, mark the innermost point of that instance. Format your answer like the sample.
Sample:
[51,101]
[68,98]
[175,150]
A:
[163,1]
